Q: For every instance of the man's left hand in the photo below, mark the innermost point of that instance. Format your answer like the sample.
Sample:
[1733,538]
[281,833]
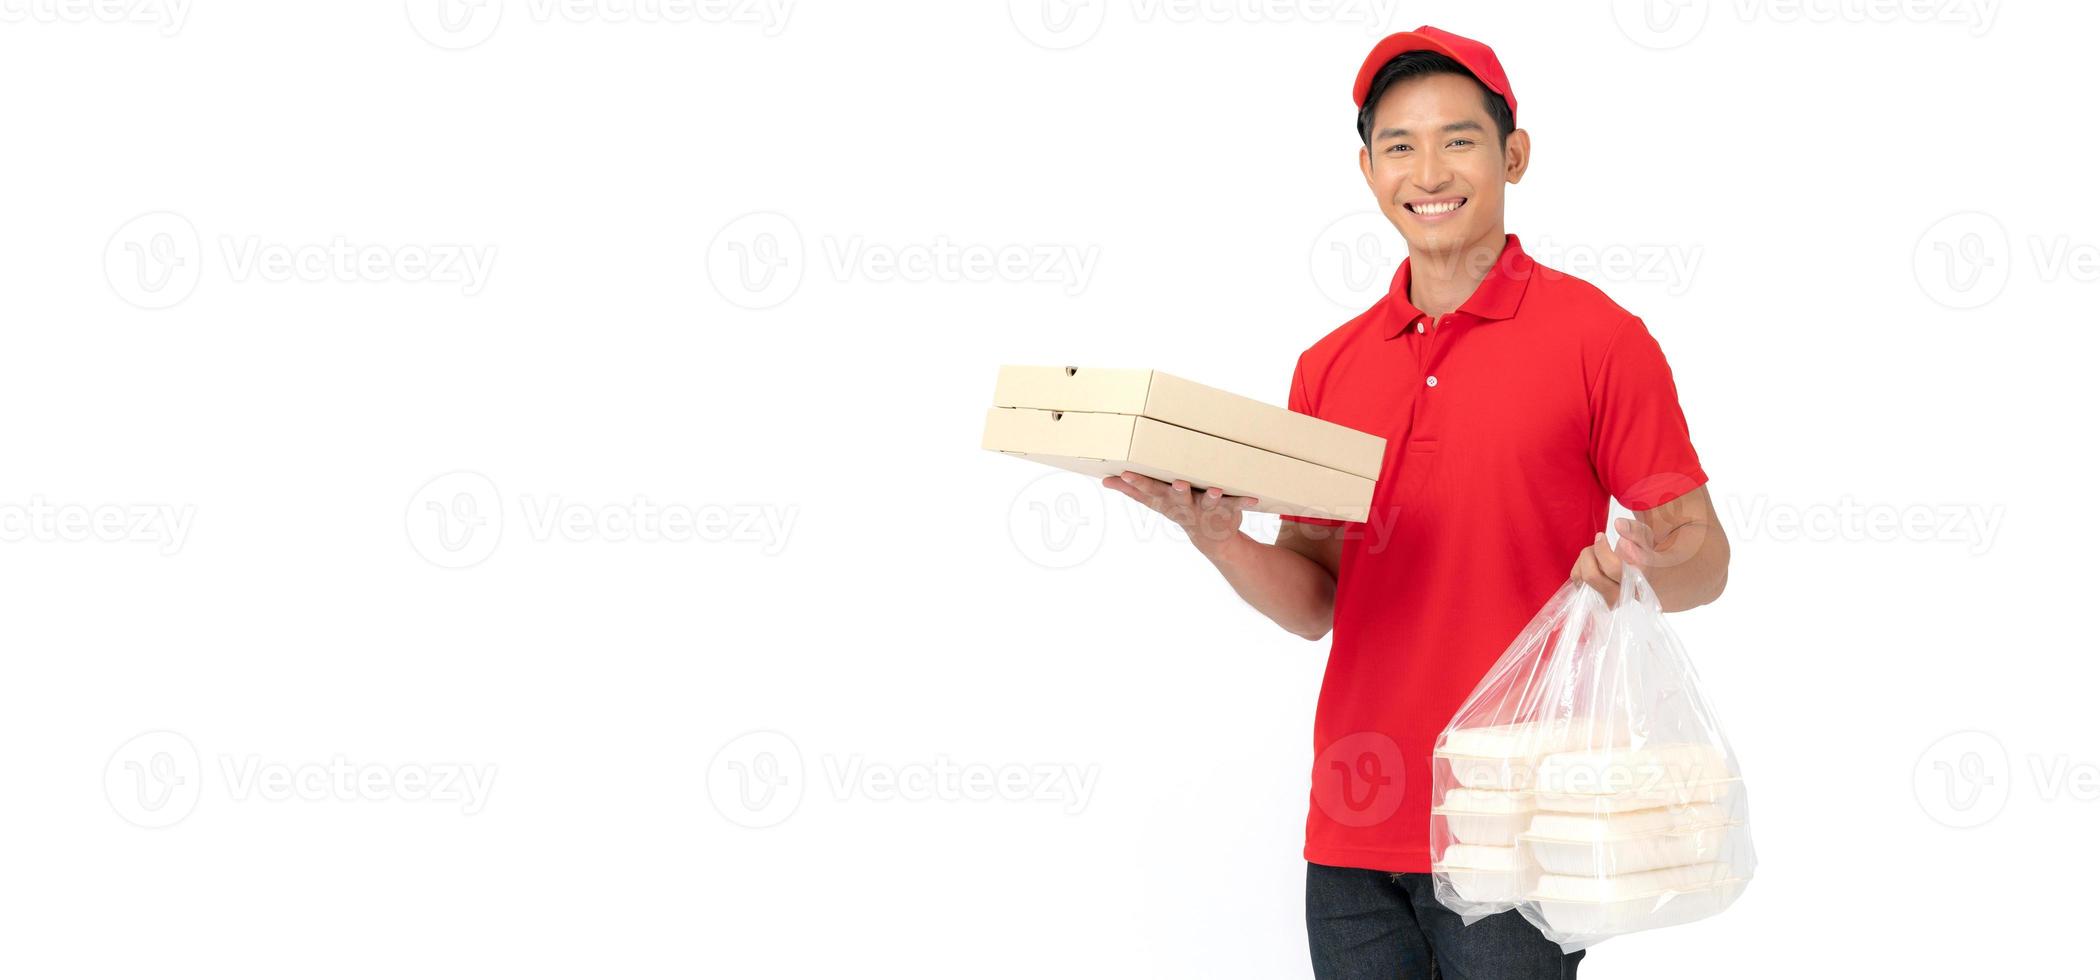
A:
[1600,565]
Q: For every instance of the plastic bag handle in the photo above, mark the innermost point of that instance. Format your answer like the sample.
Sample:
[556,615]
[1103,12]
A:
[1634,588]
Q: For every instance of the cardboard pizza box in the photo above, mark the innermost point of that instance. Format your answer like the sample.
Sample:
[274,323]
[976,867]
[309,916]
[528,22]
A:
[1107,443]
[1179,402]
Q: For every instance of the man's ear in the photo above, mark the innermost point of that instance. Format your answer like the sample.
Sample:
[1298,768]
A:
[1363,159]
[1516,155]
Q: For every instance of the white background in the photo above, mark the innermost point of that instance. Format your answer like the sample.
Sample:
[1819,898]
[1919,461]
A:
[297,519]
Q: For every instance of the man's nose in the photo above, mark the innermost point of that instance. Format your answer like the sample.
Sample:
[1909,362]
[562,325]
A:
[1429,173]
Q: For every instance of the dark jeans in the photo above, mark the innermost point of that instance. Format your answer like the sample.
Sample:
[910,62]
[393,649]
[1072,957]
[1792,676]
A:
[1373,924]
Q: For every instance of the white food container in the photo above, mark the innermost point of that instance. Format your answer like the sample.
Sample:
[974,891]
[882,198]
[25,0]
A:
[1483,816]
[1506,741]
[1482,874]
[1500,756]
[1489,772]
[1628,903]
[1648,798]
[1609,826]
[1627,855]
[1655,769]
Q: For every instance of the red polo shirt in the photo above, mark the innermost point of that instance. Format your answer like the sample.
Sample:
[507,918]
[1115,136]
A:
[1509,423]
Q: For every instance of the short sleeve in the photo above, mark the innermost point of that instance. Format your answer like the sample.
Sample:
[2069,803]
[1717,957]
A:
[1639,442]
[1302,404]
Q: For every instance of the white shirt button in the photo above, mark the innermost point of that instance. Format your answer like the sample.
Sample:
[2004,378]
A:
[1432,381]
[1419,328]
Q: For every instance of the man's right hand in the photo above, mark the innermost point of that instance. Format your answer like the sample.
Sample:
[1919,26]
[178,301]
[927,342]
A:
[1291,581]
[1211,517]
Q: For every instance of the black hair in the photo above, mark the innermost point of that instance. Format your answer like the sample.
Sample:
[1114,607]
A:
[1417,64]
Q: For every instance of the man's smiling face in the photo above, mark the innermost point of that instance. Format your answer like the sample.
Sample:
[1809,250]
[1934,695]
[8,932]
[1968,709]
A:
[1437,165]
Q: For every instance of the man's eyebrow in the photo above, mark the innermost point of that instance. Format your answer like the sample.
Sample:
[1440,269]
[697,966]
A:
[1462,126]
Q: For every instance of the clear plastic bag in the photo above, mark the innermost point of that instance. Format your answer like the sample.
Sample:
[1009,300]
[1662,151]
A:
[1586,783]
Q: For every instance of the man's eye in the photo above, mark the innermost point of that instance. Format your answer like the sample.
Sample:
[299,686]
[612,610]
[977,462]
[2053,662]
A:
[1396,147]
[1461,142]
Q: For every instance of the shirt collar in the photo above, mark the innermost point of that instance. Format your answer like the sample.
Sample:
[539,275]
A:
[1496,298]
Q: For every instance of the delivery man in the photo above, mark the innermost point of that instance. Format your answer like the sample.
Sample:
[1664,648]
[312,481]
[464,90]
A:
[1516,402]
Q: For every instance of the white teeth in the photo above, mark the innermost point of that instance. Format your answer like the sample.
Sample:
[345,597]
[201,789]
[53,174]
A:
[1438,208]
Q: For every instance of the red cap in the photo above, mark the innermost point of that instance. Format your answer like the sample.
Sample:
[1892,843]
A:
[1477,57]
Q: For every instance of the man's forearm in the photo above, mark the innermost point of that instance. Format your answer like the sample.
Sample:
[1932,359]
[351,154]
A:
[1690,566]
[1288,587]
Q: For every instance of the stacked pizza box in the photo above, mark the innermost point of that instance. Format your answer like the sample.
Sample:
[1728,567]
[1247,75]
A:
[1102,421]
